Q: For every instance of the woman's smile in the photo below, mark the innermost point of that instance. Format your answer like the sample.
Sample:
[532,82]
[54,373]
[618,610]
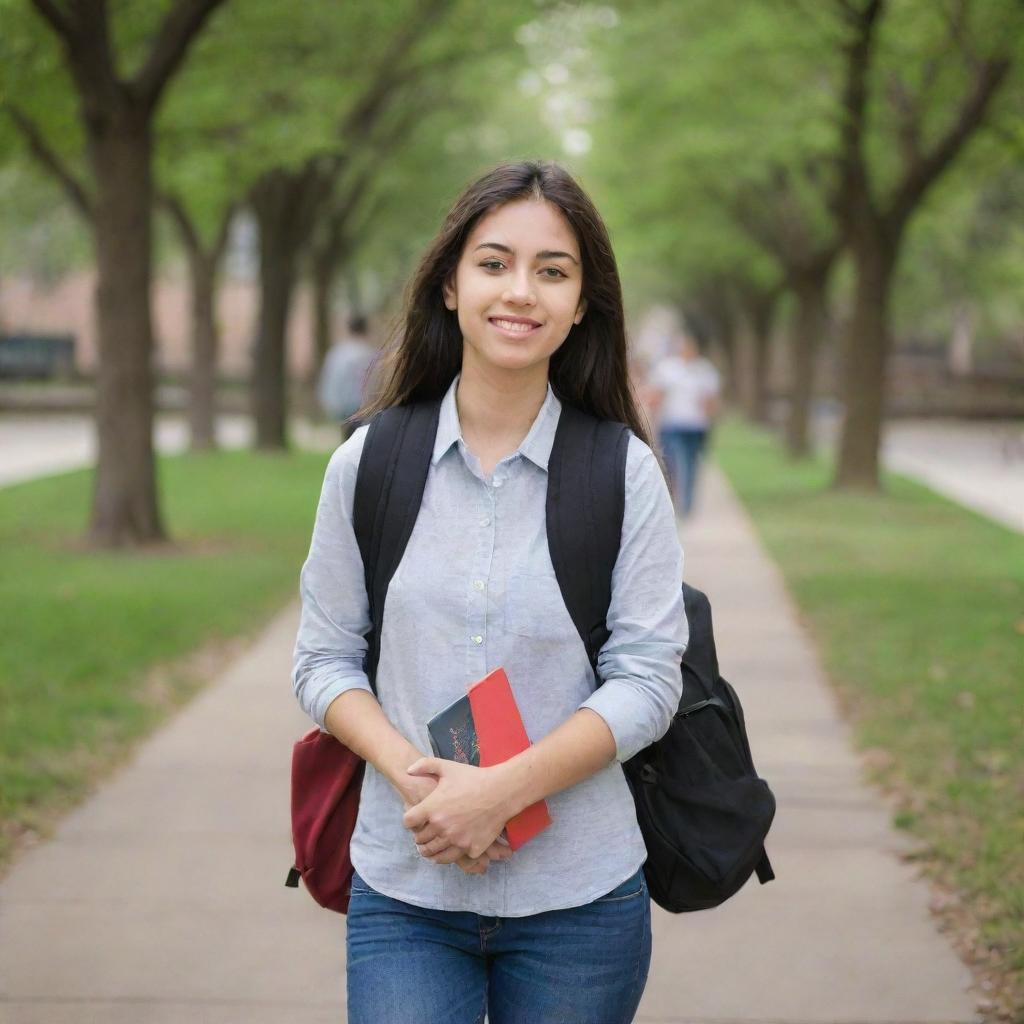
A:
[514,326]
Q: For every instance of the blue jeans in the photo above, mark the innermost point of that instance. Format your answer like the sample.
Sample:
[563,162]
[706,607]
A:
[583,965]
[682,447]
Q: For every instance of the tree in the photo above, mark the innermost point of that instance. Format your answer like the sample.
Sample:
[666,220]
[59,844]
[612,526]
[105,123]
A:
[116,113]
[735,175]
[830,135]
[960,284]
[203,260]
[759,303]
[908,90]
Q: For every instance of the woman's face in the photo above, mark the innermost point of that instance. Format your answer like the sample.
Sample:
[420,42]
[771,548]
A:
[517,288]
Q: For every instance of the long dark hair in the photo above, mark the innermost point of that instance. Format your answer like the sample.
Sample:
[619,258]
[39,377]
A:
[589,370]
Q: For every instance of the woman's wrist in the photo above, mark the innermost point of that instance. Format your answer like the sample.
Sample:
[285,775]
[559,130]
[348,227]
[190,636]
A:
[579,747]
[394,762]
[511,786]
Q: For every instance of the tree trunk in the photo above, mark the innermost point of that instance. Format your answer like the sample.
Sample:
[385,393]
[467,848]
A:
[754,391]
[727,344]
[804,338]
[716,307]
[125,508]
[324,268]
[285,205]
[960,355]
[866,345]
[203,382]
[277,283]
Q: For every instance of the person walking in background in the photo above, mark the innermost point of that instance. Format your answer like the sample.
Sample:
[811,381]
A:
[343,378]
[687,389]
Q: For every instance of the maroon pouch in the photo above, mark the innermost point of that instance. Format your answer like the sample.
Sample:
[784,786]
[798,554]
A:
[326,780]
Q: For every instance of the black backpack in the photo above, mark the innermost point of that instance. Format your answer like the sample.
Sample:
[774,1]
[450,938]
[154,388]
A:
[701,807]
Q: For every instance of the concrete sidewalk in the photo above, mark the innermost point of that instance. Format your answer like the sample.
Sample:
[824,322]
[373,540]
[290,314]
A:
[161,900]
[980,465]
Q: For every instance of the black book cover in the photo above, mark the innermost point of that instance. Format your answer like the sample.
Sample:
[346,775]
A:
[453,733]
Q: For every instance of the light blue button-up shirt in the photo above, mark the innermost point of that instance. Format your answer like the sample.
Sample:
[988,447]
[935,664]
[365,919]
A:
[475,591]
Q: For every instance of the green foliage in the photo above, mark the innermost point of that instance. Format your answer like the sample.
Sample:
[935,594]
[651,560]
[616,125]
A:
[708,106]
[482,118]
[274,87]
[33,77]
[965,252]
[677,117]
[40,234]
[721,108]
[37,229]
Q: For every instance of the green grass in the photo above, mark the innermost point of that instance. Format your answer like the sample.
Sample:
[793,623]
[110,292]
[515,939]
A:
[85,634]
[917,606]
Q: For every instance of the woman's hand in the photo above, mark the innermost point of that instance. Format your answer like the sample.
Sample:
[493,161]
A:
[464,814]
[413,789]
[479,865]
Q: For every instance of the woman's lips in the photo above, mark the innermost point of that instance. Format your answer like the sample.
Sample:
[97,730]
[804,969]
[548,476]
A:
[513,327]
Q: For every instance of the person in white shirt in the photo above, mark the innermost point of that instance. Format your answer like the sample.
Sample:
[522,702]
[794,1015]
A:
[687,389]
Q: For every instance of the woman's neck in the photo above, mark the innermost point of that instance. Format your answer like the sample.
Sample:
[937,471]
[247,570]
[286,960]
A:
[496,411]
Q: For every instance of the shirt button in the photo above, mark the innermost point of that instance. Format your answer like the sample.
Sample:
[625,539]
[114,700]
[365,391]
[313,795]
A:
[498,483]
[477,639]
[478,584]
[485,521]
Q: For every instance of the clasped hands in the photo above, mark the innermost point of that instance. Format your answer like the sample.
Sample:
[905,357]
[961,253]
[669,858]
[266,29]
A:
[456,812]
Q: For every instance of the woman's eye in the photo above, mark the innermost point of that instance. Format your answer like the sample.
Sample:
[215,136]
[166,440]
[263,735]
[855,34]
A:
[553,272]
[493,265]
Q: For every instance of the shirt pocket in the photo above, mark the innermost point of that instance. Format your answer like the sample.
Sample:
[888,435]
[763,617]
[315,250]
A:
[534,608]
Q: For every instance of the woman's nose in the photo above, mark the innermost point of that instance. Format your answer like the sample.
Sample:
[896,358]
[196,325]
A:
[519,292]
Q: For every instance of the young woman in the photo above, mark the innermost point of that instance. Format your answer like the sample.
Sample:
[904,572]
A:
[515,309]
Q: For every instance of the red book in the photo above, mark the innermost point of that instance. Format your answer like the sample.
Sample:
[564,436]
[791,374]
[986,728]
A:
[501,734]
[490,733]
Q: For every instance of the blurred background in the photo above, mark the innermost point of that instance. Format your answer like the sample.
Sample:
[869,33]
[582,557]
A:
[209,210]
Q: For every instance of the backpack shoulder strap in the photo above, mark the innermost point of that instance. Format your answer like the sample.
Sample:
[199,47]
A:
[701,657]
[392,473]
[586,501]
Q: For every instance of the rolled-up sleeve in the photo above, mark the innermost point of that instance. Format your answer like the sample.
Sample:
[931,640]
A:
[639,663]
[330,647]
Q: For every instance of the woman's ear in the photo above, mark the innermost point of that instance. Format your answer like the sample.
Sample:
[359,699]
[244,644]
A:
[580,310]
[450,298]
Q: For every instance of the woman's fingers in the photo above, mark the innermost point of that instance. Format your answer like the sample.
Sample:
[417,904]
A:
[449,856]
[429,847]
[498,851]
[473,867]
[432,847]
[425,834]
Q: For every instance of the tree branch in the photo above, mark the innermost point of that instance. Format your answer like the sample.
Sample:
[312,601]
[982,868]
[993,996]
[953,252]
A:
[853,178]
[175,209]
[220,243]
[956,22]
[92,62]
[920,175]
[315,180]
[362,116]
[56,18]
[750,218]
[179,29]
[47,158]
[908,117]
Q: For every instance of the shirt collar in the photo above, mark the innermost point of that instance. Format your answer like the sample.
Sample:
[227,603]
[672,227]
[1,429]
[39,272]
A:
[536,446]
